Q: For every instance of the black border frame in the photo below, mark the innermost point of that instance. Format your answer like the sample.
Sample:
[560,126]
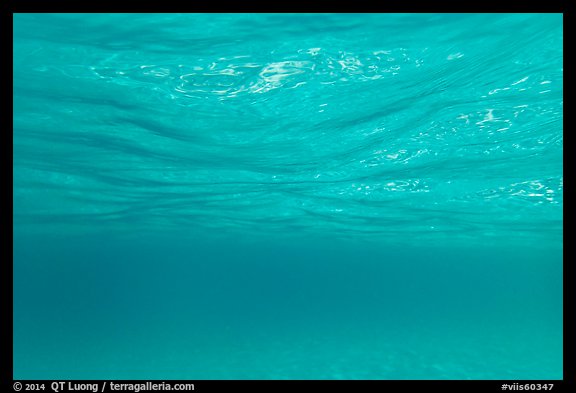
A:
[66,6]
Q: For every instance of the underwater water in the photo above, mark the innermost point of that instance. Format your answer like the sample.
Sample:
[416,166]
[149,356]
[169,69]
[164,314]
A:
[279,196]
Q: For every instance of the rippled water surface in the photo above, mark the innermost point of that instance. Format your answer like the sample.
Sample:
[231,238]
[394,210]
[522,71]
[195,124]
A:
[344,196]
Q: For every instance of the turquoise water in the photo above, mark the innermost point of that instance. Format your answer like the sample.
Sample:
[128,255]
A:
[277,196]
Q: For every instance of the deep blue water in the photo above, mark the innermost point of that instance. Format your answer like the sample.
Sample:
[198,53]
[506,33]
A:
[277,196]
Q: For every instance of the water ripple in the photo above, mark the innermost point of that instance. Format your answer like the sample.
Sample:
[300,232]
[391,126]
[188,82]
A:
[403,136]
